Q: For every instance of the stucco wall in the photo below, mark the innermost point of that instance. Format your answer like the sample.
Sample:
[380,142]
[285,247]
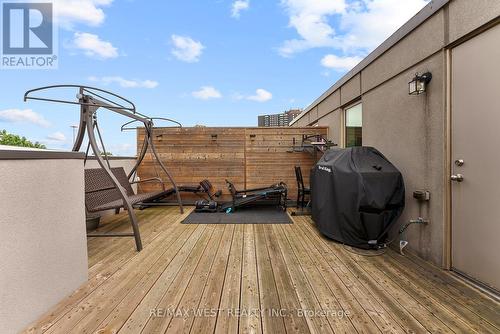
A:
[409,131]
[333,121]
[350,90]
[126,162]
[43,249]
[331,103]
[467,15]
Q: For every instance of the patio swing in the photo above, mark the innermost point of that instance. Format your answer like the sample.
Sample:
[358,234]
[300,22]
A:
[106,187]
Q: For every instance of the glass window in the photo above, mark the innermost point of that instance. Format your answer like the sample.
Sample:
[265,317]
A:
[354,126]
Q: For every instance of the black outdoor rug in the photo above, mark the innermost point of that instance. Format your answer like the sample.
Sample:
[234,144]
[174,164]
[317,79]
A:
[261,215]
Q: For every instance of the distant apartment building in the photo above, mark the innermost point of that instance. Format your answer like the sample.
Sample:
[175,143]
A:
[282,119]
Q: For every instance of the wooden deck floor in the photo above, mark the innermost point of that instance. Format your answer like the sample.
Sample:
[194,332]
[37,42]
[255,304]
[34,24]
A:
[259,278]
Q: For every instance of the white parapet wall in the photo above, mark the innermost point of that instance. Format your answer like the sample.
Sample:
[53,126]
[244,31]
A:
[126,162]
[43,248]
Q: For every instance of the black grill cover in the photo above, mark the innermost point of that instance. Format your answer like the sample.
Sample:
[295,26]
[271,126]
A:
[356,195]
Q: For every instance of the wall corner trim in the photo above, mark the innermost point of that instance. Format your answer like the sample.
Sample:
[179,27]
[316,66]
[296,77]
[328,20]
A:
[39,155]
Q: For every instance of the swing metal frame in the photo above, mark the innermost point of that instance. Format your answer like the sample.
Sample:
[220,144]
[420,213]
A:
[90,100]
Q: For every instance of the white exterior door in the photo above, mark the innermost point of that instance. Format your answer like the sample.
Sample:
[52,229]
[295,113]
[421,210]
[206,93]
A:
[475,114]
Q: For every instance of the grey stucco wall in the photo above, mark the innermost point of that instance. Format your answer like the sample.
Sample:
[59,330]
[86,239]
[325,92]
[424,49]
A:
[410,130]
[43,252]
[331,103]
[126,162]
[333,121]
[350,90]
[467,15]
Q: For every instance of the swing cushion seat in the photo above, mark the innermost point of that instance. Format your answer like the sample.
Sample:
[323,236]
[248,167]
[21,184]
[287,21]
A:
[101,193]
[134,199]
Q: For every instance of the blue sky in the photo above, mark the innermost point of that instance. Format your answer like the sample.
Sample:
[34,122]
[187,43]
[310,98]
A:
[211,62]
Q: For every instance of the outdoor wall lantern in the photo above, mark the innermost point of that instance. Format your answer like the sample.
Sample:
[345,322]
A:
[419,83]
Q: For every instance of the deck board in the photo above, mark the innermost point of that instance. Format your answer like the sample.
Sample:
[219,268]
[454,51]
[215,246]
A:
[250,322]
[216,279]
[227,322]
[268,293]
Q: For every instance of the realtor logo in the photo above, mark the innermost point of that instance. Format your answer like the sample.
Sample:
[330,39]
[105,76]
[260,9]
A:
[28,39]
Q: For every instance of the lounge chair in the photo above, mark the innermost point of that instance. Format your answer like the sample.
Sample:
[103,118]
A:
[209,189]
[302,191]
[276,192]
[205,187]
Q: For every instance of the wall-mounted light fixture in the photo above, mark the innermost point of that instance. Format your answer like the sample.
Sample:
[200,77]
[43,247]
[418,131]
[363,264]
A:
[214,137]
[419,83]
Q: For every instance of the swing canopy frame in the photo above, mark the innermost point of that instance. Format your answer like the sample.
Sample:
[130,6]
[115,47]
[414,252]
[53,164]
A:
[90,100]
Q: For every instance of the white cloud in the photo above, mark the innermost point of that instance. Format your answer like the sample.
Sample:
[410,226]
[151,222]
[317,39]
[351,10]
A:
[89,12]
[363,24]
[310,19]
[123,149]
[207,92]
[334,62]
[57,136]
[366,29]
[93,46]
[125,83]
[186,49]
[23,116]
[69,13]
[261,95]
[238,6]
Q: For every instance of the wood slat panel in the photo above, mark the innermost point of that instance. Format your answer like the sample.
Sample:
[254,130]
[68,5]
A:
[249,157]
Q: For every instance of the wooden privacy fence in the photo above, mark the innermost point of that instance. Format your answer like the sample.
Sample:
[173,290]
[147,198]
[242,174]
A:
[249,157]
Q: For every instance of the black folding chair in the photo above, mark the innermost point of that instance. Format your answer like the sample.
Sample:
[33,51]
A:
[302,191]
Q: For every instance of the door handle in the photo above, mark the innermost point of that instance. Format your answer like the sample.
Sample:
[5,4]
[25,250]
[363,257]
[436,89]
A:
[457,178]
